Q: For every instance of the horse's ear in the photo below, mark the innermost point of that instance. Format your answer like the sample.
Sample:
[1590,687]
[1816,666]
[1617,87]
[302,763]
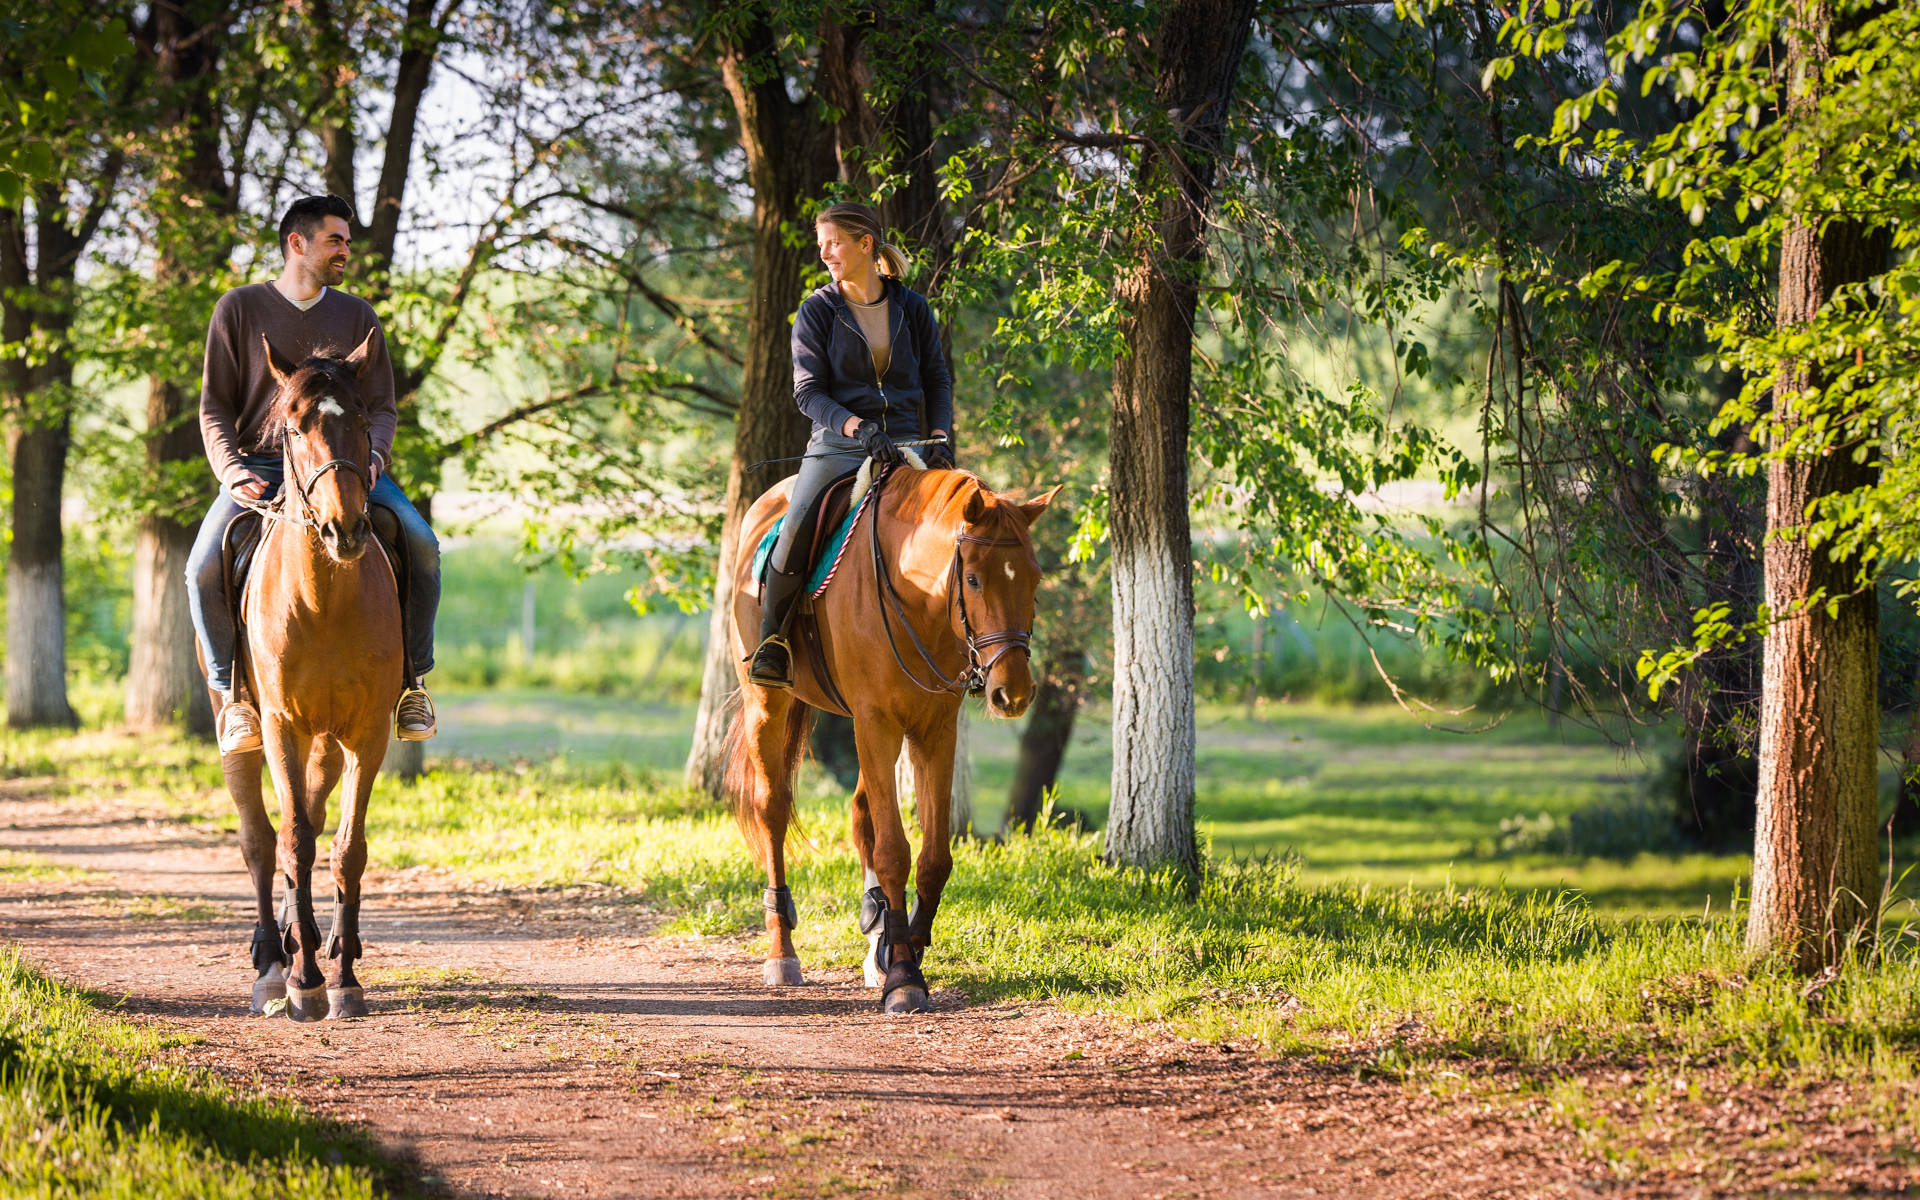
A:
[1032,509]
[278,367]
[361,360]
[976,508]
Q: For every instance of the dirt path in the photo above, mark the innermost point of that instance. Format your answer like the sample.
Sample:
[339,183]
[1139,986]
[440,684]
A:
[546,1044]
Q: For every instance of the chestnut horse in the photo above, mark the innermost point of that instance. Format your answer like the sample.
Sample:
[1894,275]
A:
[933,594]
[323,659]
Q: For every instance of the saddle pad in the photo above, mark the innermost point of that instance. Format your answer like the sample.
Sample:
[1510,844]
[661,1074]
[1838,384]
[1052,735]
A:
[823,567]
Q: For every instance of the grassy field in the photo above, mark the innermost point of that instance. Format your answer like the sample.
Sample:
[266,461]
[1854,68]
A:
[1358,795]
[95,1106]
[1262,952]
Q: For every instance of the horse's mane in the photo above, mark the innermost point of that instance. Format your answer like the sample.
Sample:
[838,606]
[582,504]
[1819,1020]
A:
[943,495]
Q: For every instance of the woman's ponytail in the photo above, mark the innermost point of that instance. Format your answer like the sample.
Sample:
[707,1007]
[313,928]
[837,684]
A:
[861,221]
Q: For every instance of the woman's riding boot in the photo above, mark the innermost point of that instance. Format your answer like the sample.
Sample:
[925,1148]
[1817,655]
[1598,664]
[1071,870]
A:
[773,660]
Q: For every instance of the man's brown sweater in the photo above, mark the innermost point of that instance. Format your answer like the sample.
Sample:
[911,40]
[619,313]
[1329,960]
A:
[236,388]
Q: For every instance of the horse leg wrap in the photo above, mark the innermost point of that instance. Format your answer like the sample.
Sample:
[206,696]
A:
[873,906]
[780,900]
[897,931]
[267,951]
[346,929]
[920,924]
[289,918]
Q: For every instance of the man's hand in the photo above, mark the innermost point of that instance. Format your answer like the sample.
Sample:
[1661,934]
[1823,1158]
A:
[375,466]
[252,489]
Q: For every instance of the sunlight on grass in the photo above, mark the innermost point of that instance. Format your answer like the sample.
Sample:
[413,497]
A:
[92,1106]
[1371,909]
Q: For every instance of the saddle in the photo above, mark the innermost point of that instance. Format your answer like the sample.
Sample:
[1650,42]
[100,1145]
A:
[824,533]
[823,539]
[241,539]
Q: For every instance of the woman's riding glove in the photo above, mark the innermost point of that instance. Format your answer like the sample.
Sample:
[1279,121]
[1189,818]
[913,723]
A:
[879,446]
[939,456]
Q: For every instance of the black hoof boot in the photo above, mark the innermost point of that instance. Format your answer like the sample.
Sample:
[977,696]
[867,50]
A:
[905,990]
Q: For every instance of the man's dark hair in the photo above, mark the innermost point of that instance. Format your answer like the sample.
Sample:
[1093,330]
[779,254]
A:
[307,214]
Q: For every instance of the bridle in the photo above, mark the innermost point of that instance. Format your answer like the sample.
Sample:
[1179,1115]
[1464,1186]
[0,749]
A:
[303,488]
[973,679]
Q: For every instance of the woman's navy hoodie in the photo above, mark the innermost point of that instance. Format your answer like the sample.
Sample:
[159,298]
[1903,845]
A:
[833,376]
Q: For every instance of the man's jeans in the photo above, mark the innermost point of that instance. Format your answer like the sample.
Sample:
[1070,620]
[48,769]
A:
[206,589]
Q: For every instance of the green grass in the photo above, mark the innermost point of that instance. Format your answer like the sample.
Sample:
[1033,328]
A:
[95,1106]
[1272,950]
[1358,795]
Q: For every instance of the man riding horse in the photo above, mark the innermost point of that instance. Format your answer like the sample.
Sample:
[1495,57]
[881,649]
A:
[297,315]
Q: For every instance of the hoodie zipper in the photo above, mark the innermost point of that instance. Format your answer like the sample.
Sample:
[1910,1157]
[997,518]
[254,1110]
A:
[886,407]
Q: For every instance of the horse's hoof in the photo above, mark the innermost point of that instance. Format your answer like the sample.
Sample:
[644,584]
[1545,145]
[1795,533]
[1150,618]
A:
[782,972]
[268,988]
[876,974]
[906,990]
[345,1003]
[307,1004]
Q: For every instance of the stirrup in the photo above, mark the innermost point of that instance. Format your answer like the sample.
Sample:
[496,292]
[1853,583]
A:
[762,673]
[401,732]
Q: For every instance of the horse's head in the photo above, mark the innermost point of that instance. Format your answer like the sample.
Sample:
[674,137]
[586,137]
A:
[327,435]
[997,575]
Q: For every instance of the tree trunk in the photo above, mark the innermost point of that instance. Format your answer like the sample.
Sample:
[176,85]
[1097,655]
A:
[36,598]
[1815,872]
[164,682]
[790,158]
[1044,740]
[1199,46]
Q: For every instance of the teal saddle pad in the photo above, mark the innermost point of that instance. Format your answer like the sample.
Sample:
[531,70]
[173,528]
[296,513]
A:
[829,554]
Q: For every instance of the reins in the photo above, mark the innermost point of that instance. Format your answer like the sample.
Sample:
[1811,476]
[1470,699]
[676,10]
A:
[276,511]
[973,678]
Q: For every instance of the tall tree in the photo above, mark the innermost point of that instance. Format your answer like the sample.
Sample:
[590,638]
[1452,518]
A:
[191,205]
[790,152]
[63,169]
[1815,867]
[1197,52]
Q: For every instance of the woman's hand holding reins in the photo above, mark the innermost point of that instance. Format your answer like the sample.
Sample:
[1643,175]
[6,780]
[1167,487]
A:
[879,446]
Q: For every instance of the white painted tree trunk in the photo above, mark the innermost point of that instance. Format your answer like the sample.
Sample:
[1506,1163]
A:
[960,811]
[1150,822]
[36,647]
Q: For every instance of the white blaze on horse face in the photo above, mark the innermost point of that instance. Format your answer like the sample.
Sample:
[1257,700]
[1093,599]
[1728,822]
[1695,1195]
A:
[331,408]
[1010,572]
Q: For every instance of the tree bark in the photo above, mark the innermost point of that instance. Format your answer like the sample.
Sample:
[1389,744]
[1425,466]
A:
[1815,871]
[1044,740]
[790,158]
[36,598]
[1199,47]
[34,293]
[164,682]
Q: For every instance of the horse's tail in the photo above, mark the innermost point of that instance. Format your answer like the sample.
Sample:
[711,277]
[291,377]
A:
[752,808]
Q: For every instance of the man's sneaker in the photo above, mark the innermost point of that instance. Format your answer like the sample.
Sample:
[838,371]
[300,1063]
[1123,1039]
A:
[239,728]
[413,719]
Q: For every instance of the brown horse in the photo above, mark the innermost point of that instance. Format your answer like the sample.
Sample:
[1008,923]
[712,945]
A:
[323,659]
[933,594]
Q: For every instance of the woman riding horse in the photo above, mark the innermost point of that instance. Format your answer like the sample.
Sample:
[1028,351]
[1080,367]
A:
[866,359]
[937,601]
